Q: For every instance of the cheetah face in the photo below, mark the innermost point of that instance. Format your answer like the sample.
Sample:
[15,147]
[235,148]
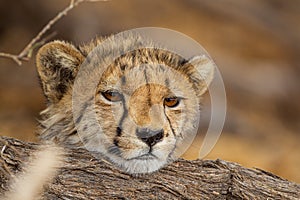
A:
[145,114]
[146,104]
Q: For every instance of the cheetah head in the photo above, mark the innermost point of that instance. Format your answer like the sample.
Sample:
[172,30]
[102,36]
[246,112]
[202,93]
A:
[146,102]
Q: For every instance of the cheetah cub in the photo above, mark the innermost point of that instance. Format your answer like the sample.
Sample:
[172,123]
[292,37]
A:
[146,101]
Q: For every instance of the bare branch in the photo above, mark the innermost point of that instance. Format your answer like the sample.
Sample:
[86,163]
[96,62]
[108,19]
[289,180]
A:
[26,53]
[11,56]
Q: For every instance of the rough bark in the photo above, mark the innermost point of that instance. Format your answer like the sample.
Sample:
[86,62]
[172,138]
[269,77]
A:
[84,177]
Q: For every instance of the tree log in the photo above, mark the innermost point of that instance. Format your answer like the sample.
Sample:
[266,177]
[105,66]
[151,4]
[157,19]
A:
[84,177]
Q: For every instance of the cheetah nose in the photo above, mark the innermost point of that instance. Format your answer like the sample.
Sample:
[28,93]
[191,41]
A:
[150,137]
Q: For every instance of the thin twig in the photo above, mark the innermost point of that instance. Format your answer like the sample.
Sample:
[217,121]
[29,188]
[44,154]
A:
[11,56]
[26,53]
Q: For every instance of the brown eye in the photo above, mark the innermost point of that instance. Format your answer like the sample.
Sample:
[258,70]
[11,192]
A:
[112,96]
[171,101]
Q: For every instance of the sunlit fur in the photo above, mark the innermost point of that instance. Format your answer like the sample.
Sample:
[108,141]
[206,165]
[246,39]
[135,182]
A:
[144,77]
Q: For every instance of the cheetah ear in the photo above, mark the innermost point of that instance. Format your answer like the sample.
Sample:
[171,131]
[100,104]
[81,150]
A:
[205,68]
[57,65]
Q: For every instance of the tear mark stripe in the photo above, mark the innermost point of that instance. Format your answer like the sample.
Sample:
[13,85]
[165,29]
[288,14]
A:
[172,129]
[148,89]
[119,127]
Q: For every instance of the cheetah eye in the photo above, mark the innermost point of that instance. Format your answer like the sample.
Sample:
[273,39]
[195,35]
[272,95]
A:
[112,96]
[171,102]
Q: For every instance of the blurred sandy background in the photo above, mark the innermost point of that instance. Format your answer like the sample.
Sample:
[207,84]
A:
[255,43]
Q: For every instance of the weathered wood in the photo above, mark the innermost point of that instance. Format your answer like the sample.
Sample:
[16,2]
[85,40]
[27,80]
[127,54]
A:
[84,177]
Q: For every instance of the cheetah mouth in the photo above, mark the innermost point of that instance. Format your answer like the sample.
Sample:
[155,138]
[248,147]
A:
[147,156]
